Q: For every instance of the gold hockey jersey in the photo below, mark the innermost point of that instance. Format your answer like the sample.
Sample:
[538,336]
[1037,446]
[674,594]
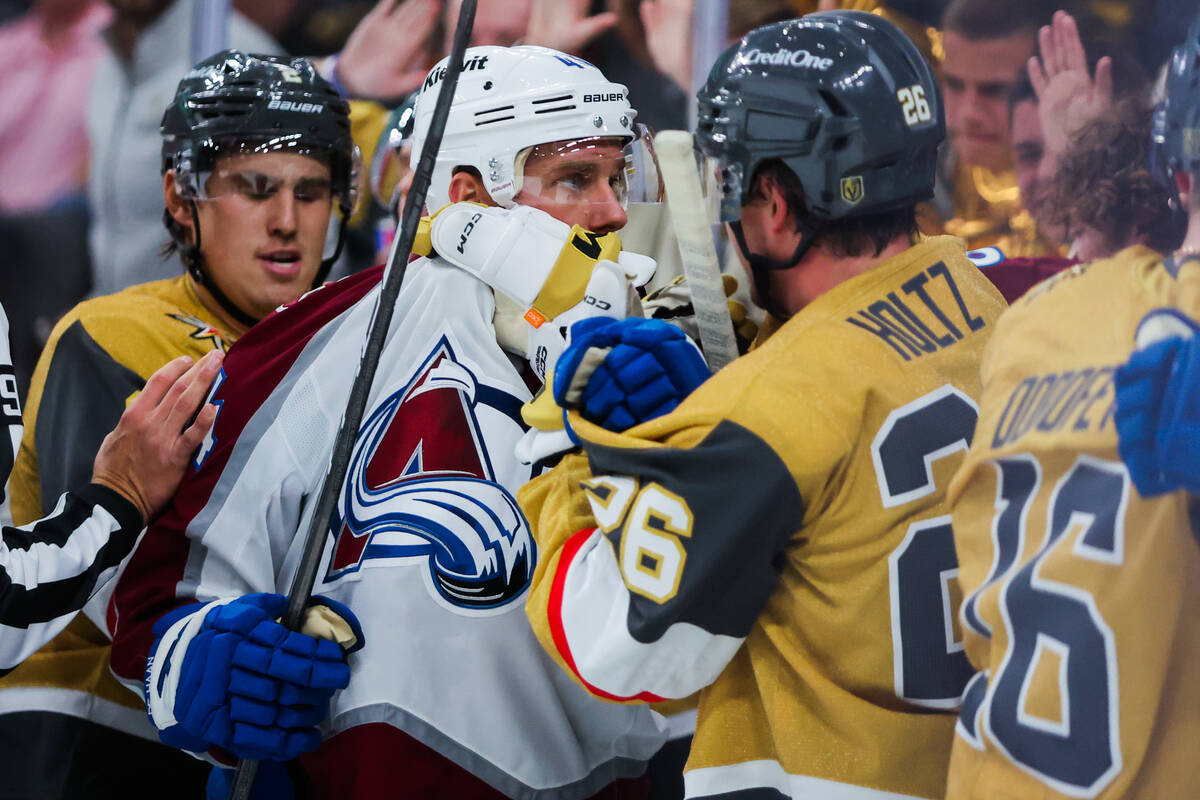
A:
[1080,593]
[98,357]
[781,542]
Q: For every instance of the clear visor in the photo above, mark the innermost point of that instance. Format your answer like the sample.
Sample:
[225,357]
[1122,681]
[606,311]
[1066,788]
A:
[391,175]
[597,170]
[721,185]
[305,173]
[253,179]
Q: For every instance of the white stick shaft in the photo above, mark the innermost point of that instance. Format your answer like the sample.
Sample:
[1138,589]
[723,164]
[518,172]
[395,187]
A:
[692,229]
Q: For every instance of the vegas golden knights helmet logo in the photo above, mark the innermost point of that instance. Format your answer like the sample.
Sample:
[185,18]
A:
[852,189]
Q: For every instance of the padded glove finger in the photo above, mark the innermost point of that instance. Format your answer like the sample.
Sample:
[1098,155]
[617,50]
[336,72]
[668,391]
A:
[318,671]
[247,710]
[247,612]
[273,743]
[625,372]
[291,695]
[301,716]
[255,687]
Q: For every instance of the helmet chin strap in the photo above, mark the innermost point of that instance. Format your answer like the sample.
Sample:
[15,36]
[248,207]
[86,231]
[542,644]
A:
[193,261]
[761,266]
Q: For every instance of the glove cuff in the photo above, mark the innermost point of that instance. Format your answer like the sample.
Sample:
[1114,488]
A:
[163,671]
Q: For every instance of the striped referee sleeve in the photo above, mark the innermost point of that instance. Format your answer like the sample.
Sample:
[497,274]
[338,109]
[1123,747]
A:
[50,568]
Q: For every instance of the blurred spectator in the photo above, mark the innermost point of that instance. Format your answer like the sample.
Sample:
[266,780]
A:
[1033,170]
[47,58]
[1103,193]
[986,46]
[566,25]
[145,57]
[1051,102]
[388,53]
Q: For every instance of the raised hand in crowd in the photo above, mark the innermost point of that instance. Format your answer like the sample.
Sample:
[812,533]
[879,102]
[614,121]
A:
[145,456]
[385,55]
[1069,95]
[668,25]
[565,24]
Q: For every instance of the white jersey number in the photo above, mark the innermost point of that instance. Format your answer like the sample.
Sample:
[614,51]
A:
[914,105]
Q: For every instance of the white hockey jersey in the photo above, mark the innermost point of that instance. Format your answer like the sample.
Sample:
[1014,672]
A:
[428,547]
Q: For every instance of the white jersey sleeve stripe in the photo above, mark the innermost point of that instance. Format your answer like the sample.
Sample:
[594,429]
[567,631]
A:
[50,568]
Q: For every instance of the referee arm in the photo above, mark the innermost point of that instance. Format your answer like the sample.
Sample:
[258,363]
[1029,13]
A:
[50,568]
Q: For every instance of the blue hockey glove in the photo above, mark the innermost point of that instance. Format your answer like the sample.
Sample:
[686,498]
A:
[620,373]
[271,782]
[1158,415]
[228,675]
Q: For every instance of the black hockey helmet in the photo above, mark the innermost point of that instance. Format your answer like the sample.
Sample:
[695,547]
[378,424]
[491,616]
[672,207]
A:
[843,98]
[235,102]
[1175,137]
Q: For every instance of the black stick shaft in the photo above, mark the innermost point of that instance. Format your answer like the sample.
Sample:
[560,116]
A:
[314,543]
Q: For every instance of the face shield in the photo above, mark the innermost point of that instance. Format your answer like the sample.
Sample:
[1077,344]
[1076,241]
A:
[253,173]
[391,175]
[581,172]
[721,185]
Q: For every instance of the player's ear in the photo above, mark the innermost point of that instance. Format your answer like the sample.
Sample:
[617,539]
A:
[779,215]
[176,204]
[467,187]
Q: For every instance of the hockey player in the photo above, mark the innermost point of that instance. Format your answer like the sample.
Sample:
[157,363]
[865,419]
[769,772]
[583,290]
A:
[1077,555]
[452,696]
[257,163]
[779,541]
[49,568]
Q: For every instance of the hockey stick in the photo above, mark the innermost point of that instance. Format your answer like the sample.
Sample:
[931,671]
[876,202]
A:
[686,203]
[339,462]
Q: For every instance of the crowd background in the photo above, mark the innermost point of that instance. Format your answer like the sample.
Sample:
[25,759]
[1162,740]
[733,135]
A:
[85,82]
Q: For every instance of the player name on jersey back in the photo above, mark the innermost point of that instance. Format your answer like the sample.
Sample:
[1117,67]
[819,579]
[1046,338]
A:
[919,324]
[1077,400]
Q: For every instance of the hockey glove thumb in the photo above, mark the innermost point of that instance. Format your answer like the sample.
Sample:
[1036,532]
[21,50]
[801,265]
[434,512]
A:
[226,674]
[620,373]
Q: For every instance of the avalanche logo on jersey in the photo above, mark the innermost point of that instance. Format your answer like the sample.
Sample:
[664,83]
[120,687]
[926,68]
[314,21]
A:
[421,490]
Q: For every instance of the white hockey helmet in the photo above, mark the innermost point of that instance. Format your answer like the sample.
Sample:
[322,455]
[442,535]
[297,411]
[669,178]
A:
[510,99]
